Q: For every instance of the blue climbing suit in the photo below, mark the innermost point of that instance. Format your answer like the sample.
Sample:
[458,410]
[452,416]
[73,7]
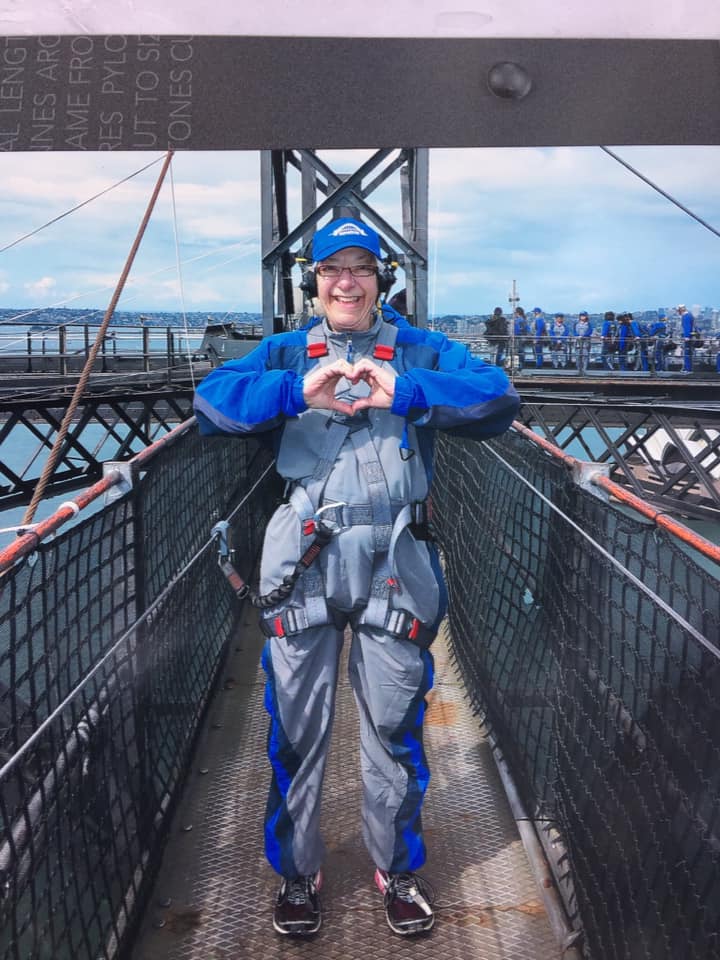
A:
[374,578]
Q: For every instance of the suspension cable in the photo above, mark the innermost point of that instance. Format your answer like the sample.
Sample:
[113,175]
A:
[624,163]
[94,350]
[139,279]
[80,205]
[180,279]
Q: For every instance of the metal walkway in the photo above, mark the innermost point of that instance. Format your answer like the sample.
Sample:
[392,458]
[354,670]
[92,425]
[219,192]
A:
[214,894]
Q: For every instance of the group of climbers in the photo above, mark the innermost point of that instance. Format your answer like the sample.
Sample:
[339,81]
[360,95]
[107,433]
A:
[626,343]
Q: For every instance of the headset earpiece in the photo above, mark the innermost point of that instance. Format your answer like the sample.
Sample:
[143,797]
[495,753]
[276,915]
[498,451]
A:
[308,283]
[386,276]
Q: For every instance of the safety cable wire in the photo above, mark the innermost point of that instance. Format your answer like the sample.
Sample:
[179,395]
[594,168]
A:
[141,278]
[143,618]
[80,205]
[608,556]
[624,163]
[180,279]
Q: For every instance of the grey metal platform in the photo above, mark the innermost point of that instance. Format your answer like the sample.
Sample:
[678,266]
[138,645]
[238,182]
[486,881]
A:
[214,894]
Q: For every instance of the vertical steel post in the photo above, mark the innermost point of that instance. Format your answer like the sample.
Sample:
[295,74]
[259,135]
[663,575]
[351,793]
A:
[266,229]
[62,349]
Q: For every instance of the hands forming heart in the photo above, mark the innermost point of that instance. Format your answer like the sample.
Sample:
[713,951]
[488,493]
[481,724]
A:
[320,385]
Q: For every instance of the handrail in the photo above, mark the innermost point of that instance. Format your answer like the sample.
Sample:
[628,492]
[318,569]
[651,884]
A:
[30,540]
[704,546]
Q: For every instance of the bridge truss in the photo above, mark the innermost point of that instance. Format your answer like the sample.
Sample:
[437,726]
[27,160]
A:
[112,423]
[666,453]
[325,191]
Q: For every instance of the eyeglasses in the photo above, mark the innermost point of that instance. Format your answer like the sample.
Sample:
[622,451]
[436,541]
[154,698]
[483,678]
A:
[332,271]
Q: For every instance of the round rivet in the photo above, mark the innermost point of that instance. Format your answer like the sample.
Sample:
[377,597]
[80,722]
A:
[159,923]
[509,81]
[187,828]
[204,770]
[164,902]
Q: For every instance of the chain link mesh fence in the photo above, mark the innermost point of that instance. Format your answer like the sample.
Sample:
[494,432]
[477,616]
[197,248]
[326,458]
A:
[589,640]
[99,706]
[587,637]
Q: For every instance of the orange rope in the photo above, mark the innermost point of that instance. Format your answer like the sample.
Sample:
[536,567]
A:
[85,375]
[28,541]
[706,547]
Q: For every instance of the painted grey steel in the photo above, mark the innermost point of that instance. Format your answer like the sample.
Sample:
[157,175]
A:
[664,452]
[214,894]
[415,188]
[263,93]
[267,238]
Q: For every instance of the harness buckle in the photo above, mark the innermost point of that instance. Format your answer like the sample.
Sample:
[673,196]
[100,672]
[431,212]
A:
[323,526]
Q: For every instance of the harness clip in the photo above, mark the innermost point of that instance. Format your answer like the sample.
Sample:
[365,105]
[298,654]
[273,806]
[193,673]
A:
[324,527]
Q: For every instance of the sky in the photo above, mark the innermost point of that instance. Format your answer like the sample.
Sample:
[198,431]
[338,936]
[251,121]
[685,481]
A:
[569,225]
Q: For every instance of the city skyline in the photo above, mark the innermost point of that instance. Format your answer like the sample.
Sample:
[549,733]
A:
[572,227]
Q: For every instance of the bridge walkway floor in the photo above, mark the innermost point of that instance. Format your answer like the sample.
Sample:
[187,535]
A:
[214,894]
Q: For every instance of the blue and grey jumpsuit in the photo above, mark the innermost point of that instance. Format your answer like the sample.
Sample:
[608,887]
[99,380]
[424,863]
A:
[374,577]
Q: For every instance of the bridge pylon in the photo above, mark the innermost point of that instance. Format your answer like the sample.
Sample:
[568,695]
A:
[327,193]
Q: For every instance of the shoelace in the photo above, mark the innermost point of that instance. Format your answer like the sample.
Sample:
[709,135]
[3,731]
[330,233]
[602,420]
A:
[406,886]
[298,890]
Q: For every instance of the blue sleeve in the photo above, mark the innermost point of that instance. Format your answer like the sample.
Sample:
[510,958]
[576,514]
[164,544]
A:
[248,395]
[460,393]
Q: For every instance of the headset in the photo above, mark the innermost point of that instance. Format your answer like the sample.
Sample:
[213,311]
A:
[385,276]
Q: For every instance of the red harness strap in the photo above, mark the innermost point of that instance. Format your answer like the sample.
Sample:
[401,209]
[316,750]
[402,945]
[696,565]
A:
[383,351]
[317,349]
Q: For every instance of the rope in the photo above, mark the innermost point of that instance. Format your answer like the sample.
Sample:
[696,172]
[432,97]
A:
[85,375]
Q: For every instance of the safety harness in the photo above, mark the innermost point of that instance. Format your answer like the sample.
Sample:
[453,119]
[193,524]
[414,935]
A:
[322,522]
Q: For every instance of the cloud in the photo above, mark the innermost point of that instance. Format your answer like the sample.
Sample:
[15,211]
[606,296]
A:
[567,223]
[42,288]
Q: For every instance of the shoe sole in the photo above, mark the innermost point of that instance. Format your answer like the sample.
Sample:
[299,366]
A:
[300,934]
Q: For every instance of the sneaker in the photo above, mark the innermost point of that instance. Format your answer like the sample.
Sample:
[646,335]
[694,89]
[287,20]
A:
[297,908]
[408,902]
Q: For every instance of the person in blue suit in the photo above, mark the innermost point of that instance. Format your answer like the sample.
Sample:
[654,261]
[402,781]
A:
[626,339]
[687,325]
[522,334]
[659,336]
[608,340]
[352,403]
[559,341]
[583,339]
[540,334]
[641,336]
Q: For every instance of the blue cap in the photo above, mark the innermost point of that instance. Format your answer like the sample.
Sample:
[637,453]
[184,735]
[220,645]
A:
[583,313]
[342,233]
[537,310]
